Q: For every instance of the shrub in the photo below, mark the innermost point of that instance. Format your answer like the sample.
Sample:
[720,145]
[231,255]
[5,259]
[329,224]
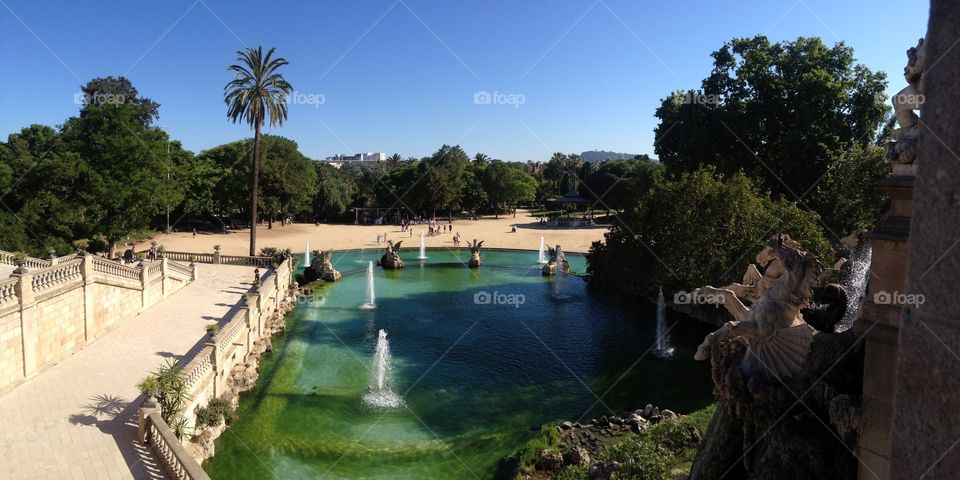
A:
[212,328]
[217,410]
[168,386]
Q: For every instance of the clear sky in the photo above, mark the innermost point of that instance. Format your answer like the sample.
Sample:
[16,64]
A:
[401,75]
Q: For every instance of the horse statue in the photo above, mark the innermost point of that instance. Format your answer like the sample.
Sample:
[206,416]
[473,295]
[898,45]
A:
[557,260]
[778,337]
[391,257]
[475,260]
[327,272]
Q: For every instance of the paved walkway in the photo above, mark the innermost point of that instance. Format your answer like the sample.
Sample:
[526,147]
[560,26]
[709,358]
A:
[77,419]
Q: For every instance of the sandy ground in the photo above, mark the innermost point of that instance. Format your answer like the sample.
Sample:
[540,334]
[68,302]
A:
[494,232]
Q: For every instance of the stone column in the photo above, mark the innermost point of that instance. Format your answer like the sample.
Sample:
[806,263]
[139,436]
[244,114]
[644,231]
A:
[879,324]
[89,325]
[143,285]
[28,312]
[149,406]
[925,440]
[163,274]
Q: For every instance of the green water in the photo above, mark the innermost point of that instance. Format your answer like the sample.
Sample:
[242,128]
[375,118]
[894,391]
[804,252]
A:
[477,379]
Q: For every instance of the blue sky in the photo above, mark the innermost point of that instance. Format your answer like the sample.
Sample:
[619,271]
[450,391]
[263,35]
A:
[401,76]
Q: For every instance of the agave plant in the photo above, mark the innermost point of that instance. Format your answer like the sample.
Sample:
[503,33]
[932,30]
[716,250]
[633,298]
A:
[168,386]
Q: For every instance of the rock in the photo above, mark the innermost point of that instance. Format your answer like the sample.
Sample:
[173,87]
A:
[647,411]
[655,412]
[604,421]
[549,460]
[668,414]
[577,456]
[566,425]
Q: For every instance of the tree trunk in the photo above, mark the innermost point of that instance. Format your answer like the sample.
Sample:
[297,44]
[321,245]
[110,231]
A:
[254,177]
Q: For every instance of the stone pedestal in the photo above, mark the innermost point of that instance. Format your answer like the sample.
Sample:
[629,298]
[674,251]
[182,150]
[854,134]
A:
[879,324]
[927,389]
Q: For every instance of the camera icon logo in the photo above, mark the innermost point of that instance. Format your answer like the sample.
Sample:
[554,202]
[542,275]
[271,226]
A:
[482,97]
[682,298]
[482,298]
[882,298]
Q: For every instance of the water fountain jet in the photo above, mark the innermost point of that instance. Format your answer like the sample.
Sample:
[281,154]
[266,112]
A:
[542,259]
[306,256]
[662,348]
[371,299]
[423,247]
[380,393]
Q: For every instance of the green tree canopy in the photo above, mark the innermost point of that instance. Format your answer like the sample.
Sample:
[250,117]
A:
[701,228]
[783,113]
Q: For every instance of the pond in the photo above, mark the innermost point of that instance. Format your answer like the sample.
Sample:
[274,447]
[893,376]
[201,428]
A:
[480,358]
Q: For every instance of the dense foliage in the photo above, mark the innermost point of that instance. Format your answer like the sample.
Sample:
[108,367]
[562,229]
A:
[700,228]
[798,117]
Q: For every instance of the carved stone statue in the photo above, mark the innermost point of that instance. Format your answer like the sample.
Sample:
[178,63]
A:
[901,149]
[391,256]
[327,272]
[778,337]
[475,260]
[557,260]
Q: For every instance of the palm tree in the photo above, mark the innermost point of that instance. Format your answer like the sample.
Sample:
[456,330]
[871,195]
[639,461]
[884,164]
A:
[480,158]
[256,92]
[394,161]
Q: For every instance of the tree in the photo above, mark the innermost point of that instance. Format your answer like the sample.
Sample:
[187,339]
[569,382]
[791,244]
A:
[394,160]
[698,229]
[334,191]
[442,184]
[121,163]
[783,113]
[256,92]
[288,181]
[480,159]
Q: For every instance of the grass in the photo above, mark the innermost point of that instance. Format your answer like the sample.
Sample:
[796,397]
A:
[664,451]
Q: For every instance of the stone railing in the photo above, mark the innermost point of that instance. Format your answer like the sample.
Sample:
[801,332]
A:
[176,461]
[206,372]
[48,313]
[198,368]
[29,262]
[8,292]
[112,268]
[57,275]
[180,268]
[217,259]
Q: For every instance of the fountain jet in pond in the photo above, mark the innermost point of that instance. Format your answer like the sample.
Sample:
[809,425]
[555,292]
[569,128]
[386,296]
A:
[380,393]
[371,299]
[306,256]
[663,348]
[542,258]
[423,247]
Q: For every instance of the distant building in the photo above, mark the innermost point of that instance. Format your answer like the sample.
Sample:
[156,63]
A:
[535,167]
[359,158]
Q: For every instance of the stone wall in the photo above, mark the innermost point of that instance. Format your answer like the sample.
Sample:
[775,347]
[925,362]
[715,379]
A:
[48,312]
[236,347]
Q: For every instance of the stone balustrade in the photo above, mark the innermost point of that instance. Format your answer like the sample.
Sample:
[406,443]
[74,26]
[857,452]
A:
[217,259]
[177,463]
[29,262]
[50,311]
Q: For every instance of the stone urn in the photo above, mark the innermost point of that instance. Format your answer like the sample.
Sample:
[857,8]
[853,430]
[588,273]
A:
[391,256]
